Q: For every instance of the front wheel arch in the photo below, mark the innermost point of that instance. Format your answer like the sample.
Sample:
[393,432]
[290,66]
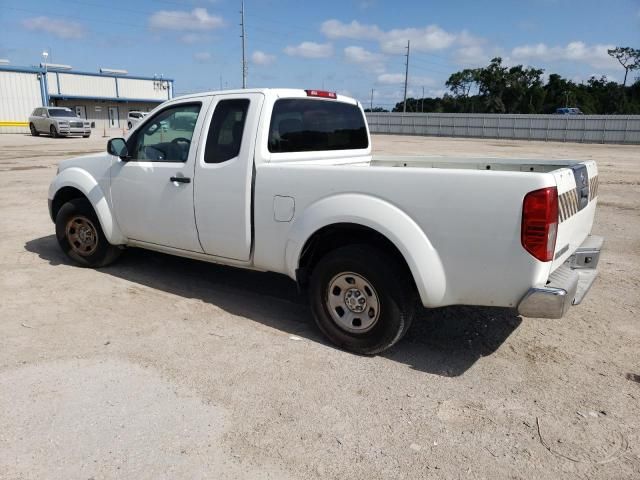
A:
[81,237]
[64,195]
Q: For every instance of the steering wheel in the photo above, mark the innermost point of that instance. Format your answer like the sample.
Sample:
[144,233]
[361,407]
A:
[181,139]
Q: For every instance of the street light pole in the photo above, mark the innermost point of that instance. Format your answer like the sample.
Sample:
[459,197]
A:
[406,77]
[244,58]
[45,55]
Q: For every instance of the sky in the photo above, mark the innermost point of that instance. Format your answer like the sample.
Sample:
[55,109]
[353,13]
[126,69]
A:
[348,46]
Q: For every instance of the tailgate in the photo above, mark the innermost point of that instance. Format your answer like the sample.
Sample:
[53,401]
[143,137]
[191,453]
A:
[577,199]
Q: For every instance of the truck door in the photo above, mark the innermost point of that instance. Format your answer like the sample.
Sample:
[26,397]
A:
[152,192]
[224,172]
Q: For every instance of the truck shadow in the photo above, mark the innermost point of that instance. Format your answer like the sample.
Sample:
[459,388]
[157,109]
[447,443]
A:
[444,341]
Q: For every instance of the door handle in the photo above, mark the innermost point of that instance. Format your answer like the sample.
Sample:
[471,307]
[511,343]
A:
[180,179]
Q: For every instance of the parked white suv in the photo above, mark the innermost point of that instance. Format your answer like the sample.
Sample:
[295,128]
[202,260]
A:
[284,181]
[134,118]
[58,122]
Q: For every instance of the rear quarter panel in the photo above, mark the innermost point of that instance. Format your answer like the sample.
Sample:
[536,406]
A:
[471,218]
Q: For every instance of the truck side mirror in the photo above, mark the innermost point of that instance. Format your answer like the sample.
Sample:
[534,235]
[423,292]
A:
[118,147]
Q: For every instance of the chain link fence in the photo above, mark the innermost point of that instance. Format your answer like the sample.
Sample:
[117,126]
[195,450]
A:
[557,128]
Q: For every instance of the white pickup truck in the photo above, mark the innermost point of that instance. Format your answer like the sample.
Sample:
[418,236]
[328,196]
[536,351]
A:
[284,181]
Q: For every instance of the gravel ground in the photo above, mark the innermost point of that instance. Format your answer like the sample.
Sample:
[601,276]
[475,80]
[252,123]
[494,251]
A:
[161,367]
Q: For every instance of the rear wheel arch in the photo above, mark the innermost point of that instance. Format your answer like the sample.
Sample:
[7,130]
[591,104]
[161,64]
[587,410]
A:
[337,235]
[400,233]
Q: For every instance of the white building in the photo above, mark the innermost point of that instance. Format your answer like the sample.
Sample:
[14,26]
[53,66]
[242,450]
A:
[105,99]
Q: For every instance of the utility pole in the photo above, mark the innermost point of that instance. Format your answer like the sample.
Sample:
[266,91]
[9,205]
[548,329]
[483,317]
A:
[371,100]
[406,76]
[422,107]
[244,58]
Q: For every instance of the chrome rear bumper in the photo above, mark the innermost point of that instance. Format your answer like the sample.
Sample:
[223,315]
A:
[567,285]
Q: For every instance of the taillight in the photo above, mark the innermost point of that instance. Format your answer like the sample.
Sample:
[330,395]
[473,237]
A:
[321,94]
[540,223]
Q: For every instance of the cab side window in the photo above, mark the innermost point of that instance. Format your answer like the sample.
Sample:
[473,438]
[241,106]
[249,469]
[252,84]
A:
[167,136]
[226,129]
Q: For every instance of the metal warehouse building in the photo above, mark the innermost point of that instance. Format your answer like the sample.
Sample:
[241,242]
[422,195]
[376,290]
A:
[105,99]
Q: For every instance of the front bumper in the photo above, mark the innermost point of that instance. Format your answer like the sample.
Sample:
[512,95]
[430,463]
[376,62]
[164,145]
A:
[567,285]
[74,131]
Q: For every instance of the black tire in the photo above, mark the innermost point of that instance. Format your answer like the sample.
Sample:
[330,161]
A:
[53,132]
[86,136]
[391,286]
[129,125]
[79,212]
[33,130]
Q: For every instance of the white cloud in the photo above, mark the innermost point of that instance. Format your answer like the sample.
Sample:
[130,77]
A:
[580,52]
[261,58]
[360,55]
[471,56]
[368,60]
[310,50]
[398,78]
[190,38]
[57,27]
[391,78]
[198,19]
[202,57]
[424,39]
[336,29]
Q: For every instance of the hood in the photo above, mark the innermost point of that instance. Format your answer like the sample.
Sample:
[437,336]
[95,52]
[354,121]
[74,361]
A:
[90,162]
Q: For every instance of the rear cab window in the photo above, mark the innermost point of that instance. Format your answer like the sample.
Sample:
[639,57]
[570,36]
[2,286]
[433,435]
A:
[308,125]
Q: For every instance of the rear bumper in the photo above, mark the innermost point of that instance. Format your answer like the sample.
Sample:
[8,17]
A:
[567,285]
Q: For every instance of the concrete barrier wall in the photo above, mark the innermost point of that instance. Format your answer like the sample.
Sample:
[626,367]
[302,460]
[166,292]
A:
[557,128]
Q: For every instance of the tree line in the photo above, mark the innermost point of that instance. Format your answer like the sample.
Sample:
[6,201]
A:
[500,89]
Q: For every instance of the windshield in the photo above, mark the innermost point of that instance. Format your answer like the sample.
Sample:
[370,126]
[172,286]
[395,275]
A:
[61,112]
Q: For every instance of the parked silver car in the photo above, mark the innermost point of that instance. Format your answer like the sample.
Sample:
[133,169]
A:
[58,122]
[134,118]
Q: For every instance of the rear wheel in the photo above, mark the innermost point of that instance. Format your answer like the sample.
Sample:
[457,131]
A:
[33,130]
[362,299]
[53,132]
[81,237]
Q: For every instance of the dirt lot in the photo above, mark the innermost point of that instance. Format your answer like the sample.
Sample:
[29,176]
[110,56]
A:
[160,367]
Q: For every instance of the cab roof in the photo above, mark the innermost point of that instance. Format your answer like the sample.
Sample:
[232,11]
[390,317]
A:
[272,92]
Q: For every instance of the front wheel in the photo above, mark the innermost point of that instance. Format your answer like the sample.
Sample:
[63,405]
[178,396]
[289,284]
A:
[362,299]
[81,237]
[53,132]
[129,125]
